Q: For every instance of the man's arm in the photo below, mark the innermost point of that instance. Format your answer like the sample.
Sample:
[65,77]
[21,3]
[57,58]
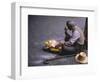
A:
[75,37]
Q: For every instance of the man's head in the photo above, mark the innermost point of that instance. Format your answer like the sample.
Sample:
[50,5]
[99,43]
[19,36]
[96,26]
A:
[70,25]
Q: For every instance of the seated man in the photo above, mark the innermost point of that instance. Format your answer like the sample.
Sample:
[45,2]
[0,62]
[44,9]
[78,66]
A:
[74,38]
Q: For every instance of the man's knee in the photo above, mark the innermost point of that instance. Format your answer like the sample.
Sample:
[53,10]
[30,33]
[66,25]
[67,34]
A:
[69,48]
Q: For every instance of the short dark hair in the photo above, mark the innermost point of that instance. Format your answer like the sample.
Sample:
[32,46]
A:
[70,23]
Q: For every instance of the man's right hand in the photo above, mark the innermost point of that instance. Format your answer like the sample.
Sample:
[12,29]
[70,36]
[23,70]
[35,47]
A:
[67,43]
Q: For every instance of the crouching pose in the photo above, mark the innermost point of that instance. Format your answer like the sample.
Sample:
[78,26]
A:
[74,38]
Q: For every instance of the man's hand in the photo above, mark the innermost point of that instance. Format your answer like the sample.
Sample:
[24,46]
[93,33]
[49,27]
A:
[68,43]
[62,42]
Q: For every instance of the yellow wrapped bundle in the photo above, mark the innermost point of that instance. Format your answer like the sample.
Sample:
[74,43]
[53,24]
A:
[52,45]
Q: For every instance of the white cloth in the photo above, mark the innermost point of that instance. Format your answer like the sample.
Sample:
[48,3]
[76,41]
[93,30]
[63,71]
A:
[76,35]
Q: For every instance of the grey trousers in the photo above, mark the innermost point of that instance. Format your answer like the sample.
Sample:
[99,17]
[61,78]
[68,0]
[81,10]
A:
[76,48]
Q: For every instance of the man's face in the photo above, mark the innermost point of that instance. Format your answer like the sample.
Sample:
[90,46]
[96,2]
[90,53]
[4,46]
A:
[69,27]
